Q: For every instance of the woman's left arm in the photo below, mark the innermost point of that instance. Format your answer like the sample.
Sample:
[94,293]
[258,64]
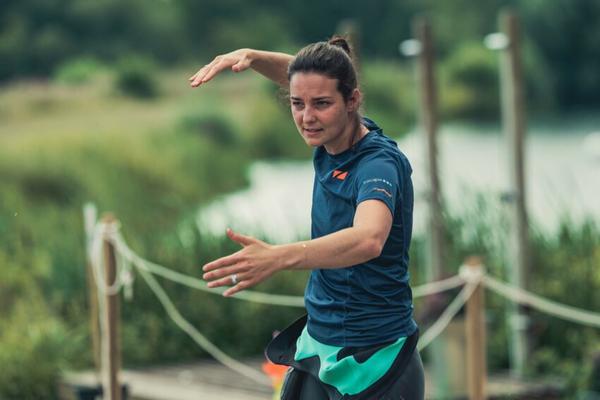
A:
[257,260]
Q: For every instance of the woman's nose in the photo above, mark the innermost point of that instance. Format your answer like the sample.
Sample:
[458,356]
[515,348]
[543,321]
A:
[309,114]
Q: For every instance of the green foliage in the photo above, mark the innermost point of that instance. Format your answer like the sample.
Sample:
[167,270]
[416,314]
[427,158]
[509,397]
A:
[38,37]
[77,71]
[470,84]
[565,34]
[273,32]
[13,42]
[135,76]
[389,95]
[462,21]
[150,181]
[150,336]
[479,228]
[568,264]
[210,123]
[539,81]
[272,132]
[31,355]
[564,269]
[34,344]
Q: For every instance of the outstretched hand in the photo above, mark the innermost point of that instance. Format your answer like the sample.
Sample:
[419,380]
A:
[251,265]
[238,60]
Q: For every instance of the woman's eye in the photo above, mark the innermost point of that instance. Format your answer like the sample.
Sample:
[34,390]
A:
[322,103]
[296,104]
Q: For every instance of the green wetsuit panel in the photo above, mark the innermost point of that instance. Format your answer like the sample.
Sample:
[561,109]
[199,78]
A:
[347,375]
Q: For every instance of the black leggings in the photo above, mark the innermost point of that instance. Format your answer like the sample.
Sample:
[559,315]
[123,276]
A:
[299,385]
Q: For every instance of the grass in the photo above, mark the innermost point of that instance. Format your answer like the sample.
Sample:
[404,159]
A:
[33,108]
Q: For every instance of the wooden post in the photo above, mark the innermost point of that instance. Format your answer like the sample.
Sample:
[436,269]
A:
[513,118]
[428,121]
[112,386]
[476,339]
[423,48]
[90,215]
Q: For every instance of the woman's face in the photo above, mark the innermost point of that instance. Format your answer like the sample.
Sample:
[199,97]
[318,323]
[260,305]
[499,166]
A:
[321,115]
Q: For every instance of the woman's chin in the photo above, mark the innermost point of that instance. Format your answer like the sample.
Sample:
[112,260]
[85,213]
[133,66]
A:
[312,142]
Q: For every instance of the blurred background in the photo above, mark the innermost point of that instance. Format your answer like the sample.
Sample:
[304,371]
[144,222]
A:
[95,106]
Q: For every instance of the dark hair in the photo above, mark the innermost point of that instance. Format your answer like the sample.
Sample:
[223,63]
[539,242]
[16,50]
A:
[332,59]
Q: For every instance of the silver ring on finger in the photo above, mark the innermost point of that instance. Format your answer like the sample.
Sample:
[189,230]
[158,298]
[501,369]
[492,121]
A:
[234,279]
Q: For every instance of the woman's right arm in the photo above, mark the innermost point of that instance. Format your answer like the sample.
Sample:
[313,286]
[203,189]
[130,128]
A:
[272,65]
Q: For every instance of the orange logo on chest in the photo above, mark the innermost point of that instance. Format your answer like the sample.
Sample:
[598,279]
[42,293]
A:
[341,175]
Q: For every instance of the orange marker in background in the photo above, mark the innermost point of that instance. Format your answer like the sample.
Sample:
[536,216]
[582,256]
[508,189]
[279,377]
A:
[276,372]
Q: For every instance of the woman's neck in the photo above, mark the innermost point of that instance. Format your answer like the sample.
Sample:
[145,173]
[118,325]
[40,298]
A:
[356,131]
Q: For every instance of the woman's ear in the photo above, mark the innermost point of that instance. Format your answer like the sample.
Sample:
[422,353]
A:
[355,100]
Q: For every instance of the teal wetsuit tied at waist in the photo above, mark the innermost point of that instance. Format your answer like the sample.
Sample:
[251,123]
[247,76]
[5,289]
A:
[348,374]
[342,373]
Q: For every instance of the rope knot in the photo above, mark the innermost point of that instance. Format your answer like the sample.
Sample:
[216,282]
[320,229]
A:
[110,229]
[471,273]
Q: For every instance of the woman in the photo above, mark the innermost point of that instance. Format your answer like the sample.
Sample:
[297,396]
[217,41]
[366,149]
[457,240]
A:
[358,339]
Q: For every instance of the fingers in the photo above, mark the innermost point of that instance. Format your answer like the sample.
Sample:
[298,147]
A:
[200,77]
[222,262]
[215,276]
[207,72]
[221,274]
[237,288]
[220,282]
[238,61]
[247,265]
[232,258]
[227,280]
[242,281]
[241,239]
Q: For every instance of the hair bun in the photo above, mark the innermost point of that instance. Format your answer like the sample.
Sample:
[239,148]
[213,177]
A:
[340,41]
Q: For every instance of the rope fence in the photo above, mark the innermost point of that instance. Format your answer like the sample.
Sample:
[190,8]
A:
[128,262]
[470,284]
[247,295]
[200,339]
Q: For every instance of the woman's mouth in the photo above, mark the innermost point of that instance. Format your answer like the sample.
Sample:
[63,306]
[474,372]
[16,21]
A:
[312,131]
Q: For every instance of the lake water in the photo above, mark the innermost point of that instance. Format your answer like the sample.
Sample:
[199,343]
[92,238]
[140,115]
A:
[562,178]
